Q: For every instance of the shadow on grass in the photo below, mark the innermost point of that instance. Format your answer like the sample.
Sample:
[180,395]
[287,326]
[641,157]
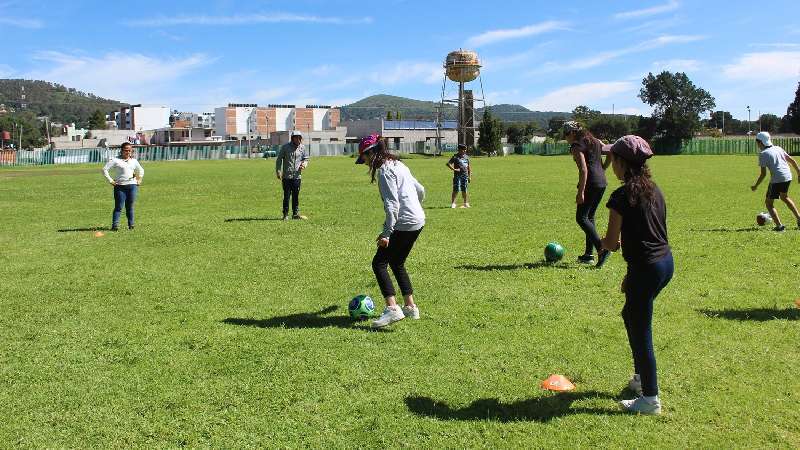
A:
[536,265]
[728,230]
[753,314]
[250,219]
[70,230]
[540,409]
[438,207]
[318,319]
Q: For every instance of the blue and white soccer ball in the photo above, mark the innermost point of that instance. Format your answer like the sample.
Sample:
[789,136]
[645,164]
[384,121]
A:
[361,307]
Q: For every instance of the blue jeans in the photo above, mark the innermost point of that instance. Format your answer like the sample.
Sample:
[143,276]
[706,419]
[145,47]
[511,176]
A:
[124,195]
[642,285]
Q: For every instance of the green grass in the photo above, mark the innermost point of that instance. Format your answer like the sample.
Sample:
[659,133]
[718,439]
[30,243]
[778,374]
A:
[198,330]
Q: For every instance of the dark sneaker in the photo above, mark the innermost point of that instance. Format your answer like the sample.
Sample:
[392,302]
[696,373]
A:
[779,228]
[586,259]
[130,227]
[602,257]
[114,229]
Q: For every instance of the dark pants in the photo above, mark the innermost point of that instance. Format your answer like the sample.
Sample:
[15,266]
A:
[642,285]
[124,195]
[394,256]
[584,215]
[291,188]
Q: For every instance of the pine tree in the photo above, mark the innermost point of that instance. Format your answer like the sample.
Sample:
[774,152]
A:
[491,131]
[389,115]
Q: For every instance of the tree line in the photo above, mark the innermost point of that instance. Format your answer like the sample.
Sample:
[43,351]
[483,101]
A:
[681,111]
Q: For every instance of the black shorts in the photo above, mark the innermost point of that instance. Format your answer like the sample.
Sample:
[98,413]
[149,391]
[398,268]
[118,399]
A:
[775,189]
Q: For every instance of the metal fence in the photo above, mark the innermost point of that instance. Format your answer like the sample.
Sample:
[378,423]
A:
[741,146]
[744,146]
[185,153]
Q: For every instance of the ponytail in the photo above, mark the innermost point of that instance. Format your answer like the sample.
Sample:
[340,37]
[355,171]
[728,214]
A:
[639,184]
[379,156]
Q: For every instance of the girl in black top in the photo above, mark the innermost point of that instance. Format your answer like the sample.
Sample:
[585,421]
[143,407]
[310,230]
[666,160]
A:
[638,212]
[587,152]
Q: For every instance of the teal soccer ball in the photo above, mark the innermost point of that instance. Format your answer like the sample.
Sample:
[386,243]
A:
[361,307]
[553,252]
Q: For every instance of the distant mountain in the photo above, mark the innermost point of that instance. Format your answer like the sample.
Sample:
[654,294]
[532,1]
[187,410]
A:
[377,106]
[59,103]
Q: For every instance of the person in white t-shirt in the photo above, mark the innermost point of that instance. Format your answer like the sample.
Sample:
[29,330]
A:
[777,161]
[127,178]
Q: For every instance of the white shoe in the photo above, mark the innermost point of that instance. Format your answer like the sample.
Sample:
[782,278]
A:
[412,312]
[641,406]
[390,315]
[453,205]
[466,205]
[635,384]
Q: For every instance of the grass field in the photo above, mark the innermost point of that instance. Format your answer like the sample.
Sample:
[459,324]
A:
[214,324]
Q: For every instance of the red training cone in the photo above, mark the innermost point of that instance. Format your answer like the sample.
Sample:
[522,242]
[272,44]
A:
[557,383]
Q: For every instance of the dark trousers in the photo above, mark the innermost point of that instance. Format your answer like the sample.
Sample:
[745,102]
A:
[124,195]
[291,188]
[584,215]
[642,285]
[394,256]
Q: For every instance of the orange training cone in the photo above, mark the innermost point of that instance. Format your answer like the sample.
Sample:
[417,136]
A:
[99,234]
[557,383]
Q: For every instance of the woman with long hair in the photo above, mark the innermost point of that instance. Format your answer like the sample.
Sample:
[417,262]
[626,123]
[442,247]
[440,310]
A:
[587,152]
[402,196]
[638,214]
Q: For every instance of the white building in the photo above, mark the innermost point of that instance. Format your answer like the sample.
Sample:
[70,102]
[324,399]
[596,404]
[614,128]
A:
[143,117]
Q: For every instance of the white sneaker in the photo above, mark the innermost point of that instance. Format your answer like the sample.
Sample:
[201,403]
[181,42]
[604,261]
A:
[453,205]
[635,384]
[390,315]
[412,312]
[466,205]
[640,405]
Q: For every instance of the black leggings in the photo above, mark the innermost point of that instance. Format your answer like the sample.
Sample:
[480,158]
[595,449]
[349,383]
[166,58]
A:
[400,244]
[291,188]
[584,215]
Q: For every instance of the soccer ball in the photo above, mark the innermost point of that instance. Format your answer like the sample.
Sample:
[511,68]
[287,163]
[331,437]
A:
[361,307]
[553,252]
[763,218]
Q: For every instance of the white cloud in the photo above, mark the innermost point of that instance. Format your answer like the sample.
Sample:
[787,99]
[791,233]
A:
[17,22]
[678,65]
[120,76]
[407,72]
[660,9]
[604,57]
[783,45]
[765,67]
[568,97]
[249,19]
[493,36]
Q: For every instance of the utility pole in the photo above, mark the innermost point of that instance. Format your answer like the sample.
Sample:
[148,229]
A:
[748,121]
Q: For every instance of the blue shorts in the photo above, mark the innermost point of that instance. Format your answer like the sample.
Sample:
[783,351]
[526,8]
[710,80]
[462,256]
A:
[460,183]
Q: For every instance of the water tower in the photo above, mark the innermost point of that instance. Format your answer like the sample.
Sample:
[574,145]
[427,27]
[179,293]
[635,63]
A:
[462,66]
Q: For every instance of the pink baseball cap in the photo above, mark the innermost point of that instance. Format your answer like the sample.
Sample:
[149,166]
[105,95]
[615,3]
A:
[631,148]
[366,145]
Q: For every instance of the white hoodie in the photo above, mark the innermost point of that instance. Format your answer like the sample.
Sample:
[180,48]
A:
[402,197]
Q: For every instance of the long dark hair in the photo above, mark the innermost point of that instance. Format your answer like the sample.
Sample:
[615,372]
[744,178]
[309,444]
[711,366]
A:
[379,156]
[639,185]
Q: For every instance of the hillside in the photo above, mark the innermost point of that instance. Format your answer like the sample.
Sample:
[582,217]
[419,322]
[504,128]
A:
[376,106]
[59,103]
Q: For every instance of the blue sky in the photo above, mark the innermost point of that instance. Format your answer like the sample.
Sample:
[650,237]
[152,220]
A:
[195,55]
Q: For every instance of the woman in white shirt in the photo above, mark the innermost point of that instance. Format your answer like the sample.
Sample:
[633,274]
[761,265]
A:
[127,178]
